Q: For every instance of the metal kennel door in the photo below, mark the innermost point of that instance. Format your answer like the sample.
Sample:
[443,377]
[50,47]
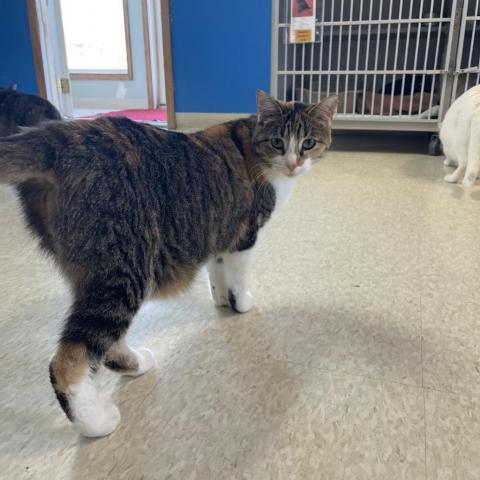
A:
[387,60]
[467,69]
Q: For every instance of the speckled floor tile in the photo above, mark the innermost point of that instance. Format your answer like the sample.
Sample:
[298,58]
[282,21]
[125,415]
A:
[219,414]
[366,288]
[451,346]
[449,246]
[453,437]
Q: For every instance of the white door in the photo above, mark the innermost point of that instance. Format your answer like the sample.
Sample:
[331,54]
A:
[88,83]
[54,56]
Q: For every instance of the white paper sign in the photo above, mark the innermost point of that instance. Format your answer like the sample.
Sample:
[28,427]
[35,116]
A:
[302,27]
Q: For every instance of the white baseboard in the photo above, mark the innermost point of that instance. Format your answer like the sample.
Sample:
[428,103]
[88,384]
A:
[196,121]
[202,120]
[109,103]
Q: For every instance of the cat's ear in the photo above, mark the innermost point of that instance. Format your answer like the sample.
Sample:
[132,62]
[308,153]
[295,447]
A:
[326,108]
[267,106]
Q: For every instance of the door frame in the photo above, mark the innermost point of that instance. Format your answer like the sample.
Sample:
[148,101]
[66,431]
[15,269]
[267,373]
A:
[158,53]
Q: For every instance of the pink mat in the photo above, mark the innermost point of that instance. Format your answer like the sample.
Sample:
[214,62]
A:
[139,115]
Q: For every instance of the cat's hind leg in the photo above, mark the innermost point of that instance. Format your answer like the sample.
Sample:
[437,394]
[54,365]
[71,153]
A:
[127,361]
[100,317]
[473,156]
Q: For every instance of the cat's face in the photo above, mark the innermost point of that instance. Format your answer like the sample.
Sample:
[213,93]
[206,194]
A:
[291,137]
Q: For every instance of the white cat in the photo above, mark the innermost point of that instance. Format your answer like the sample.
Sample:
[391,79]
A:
[460,136]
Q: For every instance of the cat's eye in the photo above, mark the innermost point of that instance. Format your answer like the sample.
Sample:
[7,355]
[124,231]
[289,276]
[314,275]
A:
[277,143]
[309,143]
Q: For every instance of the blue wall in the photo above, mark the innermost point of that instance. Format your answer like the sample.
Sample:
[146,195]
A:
[221,54]
[16,57]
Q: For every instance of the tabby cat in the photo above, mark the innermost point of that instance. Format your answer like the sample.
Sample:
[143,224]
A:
[134,211]
[22,109]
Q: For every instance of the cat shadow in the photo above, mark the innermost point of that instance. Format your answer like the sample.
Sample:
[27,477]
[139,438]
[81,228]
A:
[436,175]
[457,191]
[432,170]
[188,414]
[475,195]
[225,393]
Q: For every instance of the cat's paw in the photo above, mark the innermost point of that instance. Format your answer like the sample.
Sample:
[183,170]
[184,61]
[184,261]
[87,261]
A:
[469,180]
[448,162]
[146,361]
[240,302]
[451,178]
[219,296]
[97,420]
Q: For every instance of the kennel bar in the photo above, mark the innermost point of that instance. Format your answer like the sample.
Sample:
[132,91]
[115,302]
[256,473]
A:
[467,69]
[388,60]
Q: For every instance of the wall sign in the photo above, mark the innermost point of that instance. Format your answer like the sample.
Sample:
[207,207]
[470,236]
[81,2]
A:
[302,27]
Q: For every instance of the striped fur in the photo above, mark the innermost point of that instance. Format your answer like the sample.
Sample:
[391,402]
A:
[131,211]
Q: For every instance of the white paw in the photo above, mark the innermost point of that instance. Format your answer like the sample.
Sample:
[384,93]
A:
[97,421]
[241,302]
[469,180]
[145,359]
[450,163]
[450,178]
[219,296]
[92,415]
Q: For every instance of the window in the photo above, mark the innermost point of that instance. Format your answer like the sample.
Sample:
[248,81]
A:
[97,39]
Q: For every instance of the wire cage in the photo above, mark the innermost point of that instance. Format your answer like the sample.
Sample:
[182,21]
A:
[394,64]
[467,69]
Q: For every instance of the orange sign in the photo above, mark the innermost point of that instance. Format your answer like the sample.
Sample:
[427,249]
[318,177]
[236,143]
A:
[303,36]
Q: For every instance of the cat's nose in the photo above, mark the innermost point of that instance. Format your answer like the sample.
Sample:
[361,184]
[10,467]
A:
[292,162]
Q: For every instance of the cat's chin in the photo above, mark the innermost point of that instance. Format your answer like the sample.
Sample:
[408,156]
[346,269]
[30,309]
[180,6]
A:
[279,172]
[300,170]
[305,168]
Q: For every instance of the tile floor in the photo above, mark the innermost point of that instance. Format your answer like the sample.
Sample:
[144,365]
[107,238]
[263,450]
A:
[361,359]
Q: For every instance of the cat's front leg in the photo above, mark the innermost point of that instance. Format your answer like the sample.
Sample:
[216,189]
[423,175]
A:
[450,162]
[237,266]
[218,282]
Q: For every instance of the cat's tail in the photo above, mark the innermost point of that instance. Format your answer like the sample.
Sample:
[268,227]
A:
[25,155]
[473,156]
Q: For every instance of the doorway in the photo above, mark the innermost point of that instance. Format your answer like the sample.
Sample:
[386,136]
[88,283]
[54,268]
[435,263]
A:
[104,58]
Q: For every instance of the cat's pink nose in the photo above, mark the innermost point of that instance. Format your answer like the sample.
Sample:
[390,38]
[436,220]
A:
[291,166]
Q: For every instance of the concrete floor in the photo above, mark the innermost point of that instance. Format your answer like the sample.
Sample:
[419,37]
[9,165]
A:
[360,361]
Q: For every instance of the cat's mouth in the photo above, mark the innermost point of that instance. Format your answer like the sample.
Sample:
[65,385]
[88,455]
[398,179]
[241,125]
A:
[281,169]
[299,169]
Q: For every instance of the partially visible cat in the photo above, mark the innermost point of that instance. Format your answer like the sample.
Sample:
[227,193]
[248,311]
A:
[460,136]
[22,109]
[133,212]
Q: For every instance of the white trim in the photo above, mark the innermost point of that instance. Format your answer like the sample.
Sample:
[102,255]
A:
[110,103]
[202,120]
[274,52]
[54,57]
[47,54]
[98,71]
[156,50]
[348,122]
